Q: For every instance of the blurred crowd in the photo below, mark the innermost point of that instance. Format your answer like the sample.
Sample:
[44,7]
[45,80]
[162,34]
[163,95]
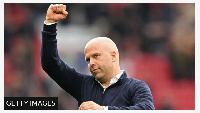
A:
[156,42]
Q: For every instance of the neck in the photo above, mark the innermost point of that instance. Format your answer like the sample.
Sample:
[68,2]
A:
[107,82]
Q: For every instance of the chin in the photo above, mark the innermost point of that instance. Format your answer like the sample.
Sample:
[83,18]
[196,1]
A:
[95,75]
[99,77]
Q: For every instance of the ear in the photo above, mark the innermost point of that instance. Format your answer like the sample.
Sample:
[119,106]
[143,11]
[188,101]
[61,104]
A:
[114,56]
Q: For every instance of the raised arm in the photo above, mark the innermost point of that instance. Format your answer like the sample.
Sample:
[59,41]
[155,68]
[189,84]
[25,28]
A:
[65,76]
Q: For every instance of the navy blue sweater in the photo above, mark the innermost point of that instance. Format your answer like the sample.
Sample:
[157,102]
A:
[125,94]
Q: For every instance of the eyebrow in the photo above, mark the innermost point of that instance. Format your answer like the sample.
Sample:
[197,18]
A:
[86,59]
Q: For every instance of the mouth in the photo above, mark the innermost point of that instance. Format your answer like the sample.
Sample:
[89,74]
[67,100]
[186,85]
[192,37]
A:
[94,70]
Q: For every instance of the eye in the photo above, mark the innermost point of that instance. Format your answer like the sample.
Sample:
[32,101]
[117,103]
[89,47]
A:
[87,60]
[96,55]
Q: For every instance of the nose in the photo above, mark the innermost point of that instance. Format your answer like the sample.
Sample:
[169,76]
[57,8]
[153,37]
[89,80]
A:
[91,63]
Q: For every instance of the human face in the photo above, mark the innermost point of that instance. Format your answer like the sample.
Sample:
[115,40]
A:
[99,61]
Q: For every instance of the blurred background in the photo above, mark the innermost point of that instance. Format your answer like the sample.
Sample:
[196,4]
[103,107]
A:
[156,42]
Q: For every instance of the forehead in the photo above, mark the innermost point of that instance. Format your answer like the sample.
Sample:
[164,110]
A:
[90,53]
[92,46]
[89,50]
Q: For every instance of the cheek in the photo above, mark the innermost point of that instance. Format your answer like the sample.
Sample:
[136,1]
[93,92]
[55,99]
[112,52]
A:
[108,59]
[106,63]
[88,66]
[109,62]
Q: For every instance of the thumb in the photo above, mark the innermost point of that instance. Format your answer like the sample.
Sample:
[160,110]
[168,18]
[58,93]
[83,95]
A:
[64,12]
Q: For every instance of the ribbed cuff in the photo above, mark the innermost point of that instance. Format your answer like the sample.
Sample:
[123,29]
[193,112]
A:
[50,28]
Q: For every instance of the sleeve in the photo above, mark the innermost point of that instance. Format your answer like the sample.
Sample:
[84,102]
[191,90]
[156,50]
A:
[141,99]
[66,77]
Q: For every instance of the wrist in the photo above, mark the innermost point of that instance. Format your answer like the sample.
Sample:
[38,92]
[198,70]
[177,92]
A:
[49,21]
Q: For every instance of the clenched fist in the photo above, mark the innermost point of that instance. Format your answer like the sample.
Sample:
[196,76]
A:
[90,105]
[55,13]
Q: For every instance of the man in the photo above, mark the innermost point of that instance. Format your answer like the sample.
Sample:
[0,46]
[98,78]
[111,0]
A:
[109,88]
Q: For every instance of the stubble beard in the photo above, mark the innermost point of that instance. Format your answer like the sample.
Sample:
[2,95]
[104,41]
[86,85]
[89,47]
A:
[99,76]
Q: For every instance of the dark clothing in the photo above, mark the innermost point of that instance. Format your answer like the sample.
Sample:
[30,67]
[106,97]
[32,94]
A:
[127,93]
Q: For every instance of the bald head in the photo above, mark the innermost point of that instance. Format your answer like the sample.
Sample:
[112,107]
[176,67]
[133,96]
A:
[102,42]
